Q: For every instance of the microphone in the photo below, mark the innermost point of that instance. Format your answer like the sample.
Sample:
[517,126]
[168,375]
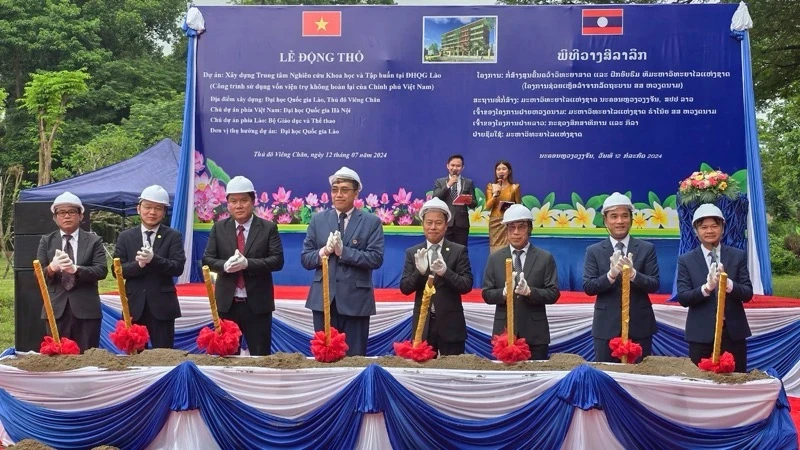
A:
[500,181]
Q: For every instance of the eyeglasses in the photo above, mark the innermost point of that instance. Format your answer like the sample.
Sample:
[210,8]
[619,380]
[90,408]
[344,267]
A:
[157,208]
[70,212]
[343,191]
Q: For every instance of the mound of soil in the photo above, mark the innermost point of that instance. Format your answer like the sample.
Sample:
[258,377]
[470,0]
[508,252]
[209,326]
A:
[653,365]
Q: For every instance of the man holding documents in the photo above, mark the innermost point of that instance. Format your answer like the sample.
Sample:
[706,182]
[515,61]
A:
[459,194]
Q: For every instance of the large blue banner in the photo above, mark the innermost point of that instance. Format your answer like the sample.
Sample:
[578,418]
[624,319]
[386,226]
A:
[581,101]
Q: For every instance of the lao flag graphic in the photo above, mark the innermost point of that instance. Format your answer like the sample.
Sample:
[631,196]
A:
[602,21]
[322,23]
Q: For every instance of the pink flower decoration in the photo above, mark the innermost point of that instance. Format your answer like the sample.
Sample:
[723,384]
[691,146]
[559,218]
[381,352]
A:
[358,203]
[223,215]
[217,191]
[282,196]
[415,206]
[402,197]
[296,204]
[201,181]
[262,199]
[385,215]
[198,162]
[311,200]
[324,198]
[384,199]
[372,201]
[206,198]
[265,212]
[428,197]
[405,219]
[204,213]
[285,218]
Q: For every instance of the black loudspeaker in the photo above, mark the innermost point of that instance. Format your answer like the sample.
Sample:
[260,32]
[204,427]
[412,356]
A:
[32,220]
[29,328]
[25,248]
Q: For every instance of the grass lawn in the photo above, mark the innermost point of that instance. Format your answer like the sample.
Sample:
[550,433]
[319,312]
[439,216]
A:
[783,285]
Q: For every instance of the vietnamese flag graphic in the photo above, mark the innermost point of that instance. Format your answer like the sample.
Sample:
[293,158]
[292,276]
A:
[602,21]
[322,23]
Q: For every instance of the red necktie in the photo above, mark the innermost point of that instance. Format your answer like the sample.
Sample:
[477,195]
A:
[240,246]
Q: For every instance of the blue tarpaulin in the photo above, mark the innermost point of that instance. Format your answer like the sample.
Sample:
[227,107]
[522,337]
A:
[117,187]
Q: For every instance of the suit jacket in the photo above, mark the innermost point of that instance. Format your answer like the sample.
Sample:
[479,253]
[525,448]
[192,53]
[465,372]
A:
[264,252]
[152,284]
[459,212]
[456,281]
[530,314]
[84,300]
[607,323]
[692,274]
[350,275]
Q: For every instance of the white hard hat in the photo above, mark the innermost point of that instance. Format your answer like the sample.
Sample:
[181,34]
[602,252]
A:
[67,198]
[517,212]
[616,199]
[707,210]
[155,193]
[435,204]
[347,174]
[239,185]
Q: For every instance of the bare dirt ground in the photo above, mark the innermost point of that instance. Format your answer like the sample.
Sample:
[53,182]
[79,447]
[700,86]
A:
[653,365]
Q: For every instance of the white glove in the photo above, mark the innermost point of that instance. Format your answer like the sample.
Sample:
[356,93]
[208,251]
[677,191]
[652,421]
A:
[338,244]
[329,246]
[144,256]
[614,262]
[439,267]
[628,261]
[233,264]
[55,264]
[421,260]
[241,261]
[522,287]
[712,279]
[729,283]
[66,263]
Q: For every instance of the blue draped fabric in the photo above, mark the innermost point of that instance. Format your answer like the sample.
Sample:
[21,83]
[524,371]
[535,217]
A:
[180,205]
[86,429]
[669,341]
[735,232]
[755,185]
[568,253]
[410,422]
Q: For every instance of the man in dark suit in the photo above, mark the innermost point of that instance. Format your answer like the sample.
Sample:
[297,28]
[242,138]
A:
[698,284]
[244,250]
[446,329]
[447,189]
[353,242]
[151,254]
[601,277]
[535,283]
[74,260]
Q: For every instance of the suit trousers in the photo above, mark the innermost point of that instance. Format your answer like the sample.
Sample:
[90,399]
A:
[162,332]
[85,332]
[738,348]
[356,329]
[540,351]
[256,328]
[458,235]
[442,347]
[602,352]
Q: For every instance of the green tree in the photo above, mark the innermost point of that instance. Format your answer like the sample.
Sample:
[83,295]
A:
[44,35]
[779,134]
[48,95]
[433,49]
